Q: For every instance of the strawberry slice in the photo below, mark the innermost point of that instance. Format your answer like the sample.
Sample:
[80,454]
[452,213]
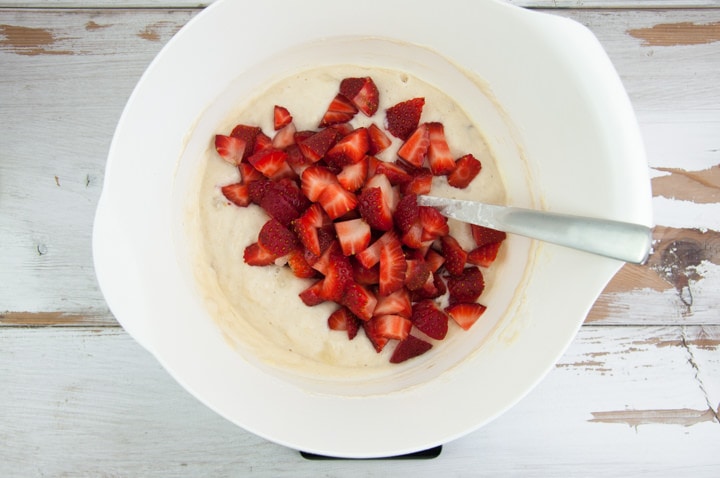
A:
[430,319]
[392,267]
[415,148]
[311,295]
[434,260]
[403,118]
[397,303]
[315,146]
[417,274]
[353,176]
[322,264]
[359,300]
[354,235]
[255,255]
[439,157]
[307,225]
[395,174]
[248,173]
[407,213]
[364,275]
[371,256]
[484,256]
[378,341]
[420,183]
[350,149]
[258,189]
[343,319]
[281,117]
[485,235]
[237,194]
[455,255]
[285,137]
[299,265]
[394,327]
[247,134]
[230,148]
[375,209]
[409,348]
[466,169]
[341,110]
[337,277]
[466,287]
[272,163]
[337,201]
[276,238]
[379,141]
[314,180]
[262,143]
[390,194]
[362,92]
[434,224]
[465,315]
[276,201]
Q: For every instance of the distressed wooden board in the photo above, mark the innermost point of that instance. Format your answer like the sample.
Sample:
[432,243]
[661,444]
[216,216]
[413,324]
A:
[68,73]
[622,400]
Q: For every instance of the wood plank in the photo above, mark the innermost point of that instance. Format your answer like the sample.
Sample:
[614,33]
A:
[86,402]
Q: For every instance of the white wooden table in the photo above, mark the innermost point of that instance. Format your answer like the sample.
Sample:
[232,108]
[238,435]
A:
[638,392]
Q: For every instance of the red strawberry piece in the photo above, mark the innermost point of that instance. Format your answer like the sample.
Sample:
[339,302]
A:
[363,275]
[395,174]
[485,235]
[255,255]
[350,149]
[290,190]
[338,276]
[303,135]
[311,295]
[306,227]
[403,118]
[374,209]
[433,288]
[258,189]
[285,137]
[390,194]
[276,238]
[466,169]
[397,303]
[281,117]
[230,148]
[262,142]
[417,274]
[237,194]
[248,173]
[314,180]
[466,287]
[359,300]
[315,147]
[322,264]
[341,110]
[353,176]
[343,319]
[455,255]
[337,201]
[407,213]
[362,92]
[354,235]
[371,256]
[247,134]
[420,183]
[409,348]
[439,157]
[378,341]
[434,260]
[430,319]
[484,256]
[434,224]
[379,141]
[296,160]
[415,148]
[392,267]
[276,202]
[299,265]
[343,129]
[272,163]
[465,315]
[394,327]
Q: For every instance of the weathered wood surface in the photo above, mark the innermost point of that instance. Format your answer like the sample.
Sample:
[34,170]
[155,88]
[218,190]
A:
[638,392]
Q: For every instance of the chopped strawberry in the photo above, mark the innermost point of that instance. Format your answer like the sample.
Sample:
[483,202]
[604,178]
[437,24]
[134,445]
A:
[434,224]
[434,260]
[276,238]
[364,275]
[281,117]
[430,319]
[455,255]
[409,348]
[289,189]
[485,235]
[362,92]
[278,202]
[353,176]
[374,209]
[311,295]
[336,200]
[390,193]
[337,278]
[371,256]
[379,141]
[296,160]
[314,180]
[394,327]
[403,118]
[395,174]
[307,225]
[354,235]
[248,173]
[359,300]
[285,137]
[272,163]
[407,213]
[341,110]
[301,136]
[466,169]
[299,265]
[262,142]
[237,194]
[255,255]
[315,147]
[258,189]
[420,183]
[417,274]
[343,129]
[378,341]
[344,319]
[433,288]
[415,148]
[230,148]
[466,287]
[439,157]
[397,303]
[392,267]
[322,264]
[350,149]
[484,256]
[465,315]
[247,134]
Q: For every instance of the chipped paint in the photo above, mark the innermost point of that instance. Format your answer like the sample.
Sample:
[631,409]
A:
[634,418]
[29,41]
[674,34]
[696,186]
[91,25]
[40,319]
[153,31]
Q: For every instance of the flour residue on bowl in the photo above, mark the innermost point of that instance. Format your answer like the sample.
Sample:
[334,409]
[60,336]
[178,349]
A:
[258,308]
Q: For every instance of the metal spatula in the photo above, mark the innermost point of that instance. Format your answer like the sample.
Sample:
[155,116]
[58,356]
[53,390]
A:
[617,240]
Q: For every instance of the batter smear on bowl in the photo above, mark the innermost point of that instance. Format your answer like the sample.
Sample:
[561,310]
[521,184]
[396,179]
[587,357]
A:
[327,201]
